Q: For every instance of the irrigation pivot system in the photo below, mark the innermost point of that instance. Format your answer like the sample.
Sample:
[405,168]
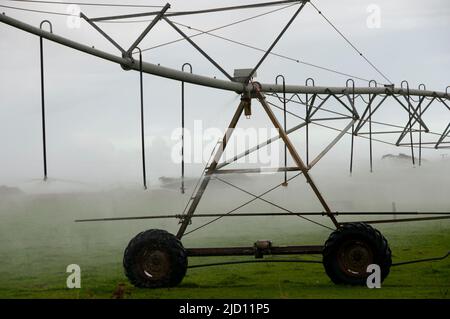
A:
[156,258]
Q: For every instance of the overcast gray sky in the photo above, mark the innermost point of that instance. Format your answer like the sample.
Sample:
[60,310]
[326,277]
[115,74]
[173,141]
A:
[93,105]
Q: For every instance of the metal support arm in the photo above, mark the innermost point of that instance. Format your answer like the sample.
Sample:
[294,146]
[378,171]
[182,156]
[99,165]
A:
[237,87]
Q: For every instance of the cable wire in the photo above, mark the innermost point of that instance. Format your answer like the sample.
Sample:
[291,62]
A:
[88,4]
[240,206]
[38,11]
[351,44]
[271,203]
[219,28]
[421,260]
[239,262]
[271,53]
[208,32]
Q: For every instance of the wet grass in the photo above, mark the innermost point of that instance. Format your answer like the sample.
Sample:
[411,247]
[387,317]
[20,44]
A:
[39,239]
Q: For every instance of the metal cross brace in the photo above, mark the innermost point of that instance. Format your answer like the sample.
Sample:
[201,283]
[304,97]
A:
[128,52]
[198,49]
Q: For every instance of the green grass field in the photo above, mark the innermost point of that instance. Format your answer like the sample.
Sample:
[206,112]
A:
[39,239]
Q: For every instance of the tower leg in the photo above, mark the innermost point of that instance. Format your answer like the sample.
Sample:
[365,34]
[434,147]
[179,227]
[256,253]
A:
[210,170]
[296,157]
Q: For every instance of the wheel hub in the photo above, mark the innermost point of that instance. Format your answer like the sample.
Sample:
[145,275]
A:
[354,257]
[155,264]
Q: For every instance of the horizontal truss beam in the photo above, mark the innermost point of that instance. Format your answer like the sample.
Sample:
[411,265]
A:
[256,170]
[213,10]
[404,220]
[210,215]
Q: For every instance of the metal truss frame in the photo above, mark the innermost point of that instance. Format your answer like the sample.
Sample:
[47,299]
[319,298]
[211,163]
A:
[315,98]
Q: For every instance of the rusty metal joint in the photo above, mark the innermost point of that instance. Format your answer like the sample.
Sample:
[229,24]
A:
[182,219]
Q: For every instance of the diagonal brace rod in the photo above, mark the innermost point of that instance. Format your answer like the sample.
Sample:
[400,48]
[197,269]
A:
[275,42]
[210,171]
[410,123]
[103,33]
[198,48]
[259,146]
[443,136]
[333,143]
[296,156]
[149,27]
[269,202]
[316,108]
[184,13]
[413,113]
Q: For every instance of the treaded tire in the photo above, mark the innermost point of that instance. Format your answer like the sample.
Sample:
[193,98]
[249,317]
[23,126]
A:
[350,249]
[155,258]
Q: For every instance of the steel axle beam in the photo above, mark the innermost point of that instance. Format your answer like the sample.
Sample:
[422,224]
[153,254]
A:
[253,251]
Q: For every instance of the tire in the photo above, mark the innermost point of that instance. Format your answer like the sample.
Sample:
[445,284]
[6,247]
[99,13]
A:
[154,259]
[350,249]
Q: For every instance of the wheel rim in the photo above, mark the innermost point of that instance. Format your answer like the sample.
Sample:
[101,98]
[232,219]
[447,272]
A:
[154,264]
[353,258]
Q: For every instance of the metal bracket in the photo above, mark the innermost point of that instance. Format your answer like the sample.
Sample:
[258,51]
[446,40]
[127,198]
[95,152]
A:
[48,22]
[262,247]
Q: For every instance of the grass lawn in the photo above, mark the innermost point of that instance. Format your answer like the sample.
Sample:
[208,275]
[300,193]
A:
[39,239]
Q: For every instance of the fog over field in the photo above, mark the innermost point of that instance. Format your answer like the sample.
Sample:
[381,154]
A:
[395,185]
[94,137]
